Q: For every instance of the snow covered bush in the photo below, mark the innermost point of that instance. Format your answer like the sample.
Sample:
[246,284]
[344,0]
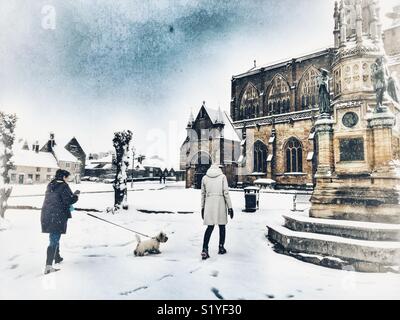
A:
[7,137]
[121,143]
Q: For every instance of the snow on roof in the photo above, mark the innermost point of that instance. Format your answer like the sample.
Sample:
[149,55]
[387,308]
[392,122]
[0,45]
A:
[107,159]
[154,162]
[63,154]
[29,158]
[213,114]
[139,167]
[229,131]
[91,165]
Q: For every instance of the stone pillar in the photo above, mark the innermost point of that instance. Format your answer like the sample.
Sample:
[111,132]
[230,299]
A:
[382,125]
[374,22]
[343,26]
[271,167]
[324,131]
[359,22]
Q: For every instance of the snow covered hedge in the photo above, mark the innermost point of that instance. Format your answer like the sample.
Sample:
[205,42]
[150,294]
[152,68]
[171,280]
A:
[7,137]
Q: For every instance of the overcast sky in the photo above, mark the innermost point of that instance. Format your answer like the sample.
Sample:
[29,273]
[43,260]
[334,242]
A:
[91,67]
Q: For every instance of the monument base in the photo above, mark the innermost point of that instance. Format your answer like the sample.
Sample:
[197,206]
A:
[346,245]
[357,197]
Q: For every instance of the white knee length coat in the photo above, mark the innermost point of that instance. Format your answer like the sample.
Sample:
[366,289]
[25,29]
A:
[215,199]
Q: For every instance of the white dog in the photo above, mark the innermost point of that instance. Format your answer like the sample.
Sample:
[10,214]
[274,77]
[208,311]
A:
[151,246]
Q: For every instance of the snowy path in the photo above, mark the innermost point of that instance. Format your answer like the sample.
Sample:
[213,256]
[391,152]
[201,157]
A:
[99,263]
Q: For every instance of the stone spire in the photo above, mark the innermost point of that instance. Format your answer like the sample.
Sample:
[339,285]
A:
[336,31]
[191,119]
[343,24]
[374,21]
[358,21]
[220,117]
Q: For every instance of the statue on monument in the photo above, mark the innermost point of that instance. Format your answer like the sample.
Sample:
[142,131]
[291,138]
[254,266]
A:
[324,93]
[379,82]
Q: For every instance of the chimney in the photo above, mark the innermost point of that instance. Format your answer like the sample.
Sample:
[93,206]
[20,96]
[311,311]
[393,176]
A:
[51,143]
[36,147]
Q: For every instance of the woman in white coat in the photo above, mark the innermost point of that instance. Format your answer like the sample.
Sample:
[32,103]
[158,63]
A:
[215,202]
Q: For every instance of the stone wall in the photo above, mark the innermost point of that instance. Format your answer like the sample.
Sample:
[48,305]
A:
[297,123]
[276,169]
[292,71]
[31,175]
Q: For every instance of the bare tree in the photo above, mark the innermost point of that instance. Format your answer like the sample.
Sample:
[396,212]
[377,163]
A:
[7,137]
[121,143]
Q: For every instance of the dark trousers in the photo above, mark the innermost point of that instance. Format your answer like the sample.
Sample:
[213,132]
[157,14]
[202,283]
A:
[207,236]
[53,248]
[54,240]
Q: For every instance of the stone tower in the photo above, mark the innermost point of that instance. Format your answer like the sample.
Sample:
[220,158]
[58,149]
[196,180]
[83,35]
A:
[357,177]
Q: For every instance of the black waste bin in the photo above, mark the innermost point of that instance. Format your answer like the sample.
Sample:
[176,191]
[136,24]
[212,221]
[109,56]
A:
[251,195]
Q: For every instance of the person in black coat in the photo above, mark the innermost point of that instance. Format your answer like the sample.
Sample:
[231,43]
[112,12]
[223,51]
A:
[56,211]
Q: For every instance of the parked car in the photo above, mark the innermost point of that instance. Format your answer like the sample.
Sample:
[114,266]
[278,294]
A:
[86,178]
[94,179]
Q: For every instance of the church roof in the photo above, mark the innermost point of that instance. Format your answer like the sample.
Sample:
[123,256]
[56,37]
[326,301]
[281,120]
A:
[218,116]
[284,62]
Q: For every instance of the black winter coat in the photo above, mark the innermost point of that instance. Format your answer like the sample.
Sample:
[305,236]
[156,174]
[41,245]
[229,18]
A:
[56,207]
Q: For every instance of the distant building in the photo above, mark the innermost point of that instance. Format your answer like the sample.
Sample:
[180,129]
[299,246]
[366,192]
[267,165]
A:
[38,165]
[32,166]
[154,166]
[143,168]
[100,167]
[76,150]
[211,139]
[65,159]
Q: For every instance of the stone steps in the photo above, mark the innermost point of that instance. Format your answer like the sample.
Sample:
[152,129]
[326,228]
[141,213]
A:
[346,229]
[360,255]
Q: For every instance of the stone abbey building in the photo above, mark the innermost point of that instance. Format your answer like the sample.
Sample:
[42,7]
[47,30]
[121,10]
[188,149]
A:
[274,108]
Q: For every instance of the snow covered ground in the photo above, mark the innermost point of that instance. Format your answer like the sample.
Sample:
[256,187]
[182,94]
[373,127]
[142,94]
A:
[99,261]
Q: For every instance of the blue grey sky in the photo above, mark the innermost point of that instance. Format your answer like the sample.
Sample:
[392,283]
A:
[141,65]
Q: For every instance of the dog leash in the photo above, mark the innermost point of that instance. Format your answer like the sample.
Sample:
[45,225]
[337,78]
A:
[93,216]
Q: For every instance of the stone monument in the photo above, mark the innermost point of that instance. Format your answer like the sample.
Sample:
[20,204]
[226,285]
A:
[355,206]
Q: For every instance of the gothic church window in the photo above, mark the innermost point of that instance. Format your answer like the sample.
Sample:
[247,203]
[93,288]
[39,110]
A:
[260,157]
[279,96]
[250,103]
[309,89]
[294,156]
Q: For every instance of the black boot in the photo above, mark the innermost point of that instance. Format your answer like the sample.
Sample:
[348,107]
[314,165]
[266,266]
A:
[222,234]
[49,260]
[204,254]
[51,251]
[57,257]
[221,249]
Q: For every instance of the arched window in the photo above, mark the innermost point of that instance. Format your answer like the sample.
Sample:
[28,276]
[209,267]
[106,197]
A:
[250,103]
[260,157]
[279,95]
[294,156]
[309,88]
